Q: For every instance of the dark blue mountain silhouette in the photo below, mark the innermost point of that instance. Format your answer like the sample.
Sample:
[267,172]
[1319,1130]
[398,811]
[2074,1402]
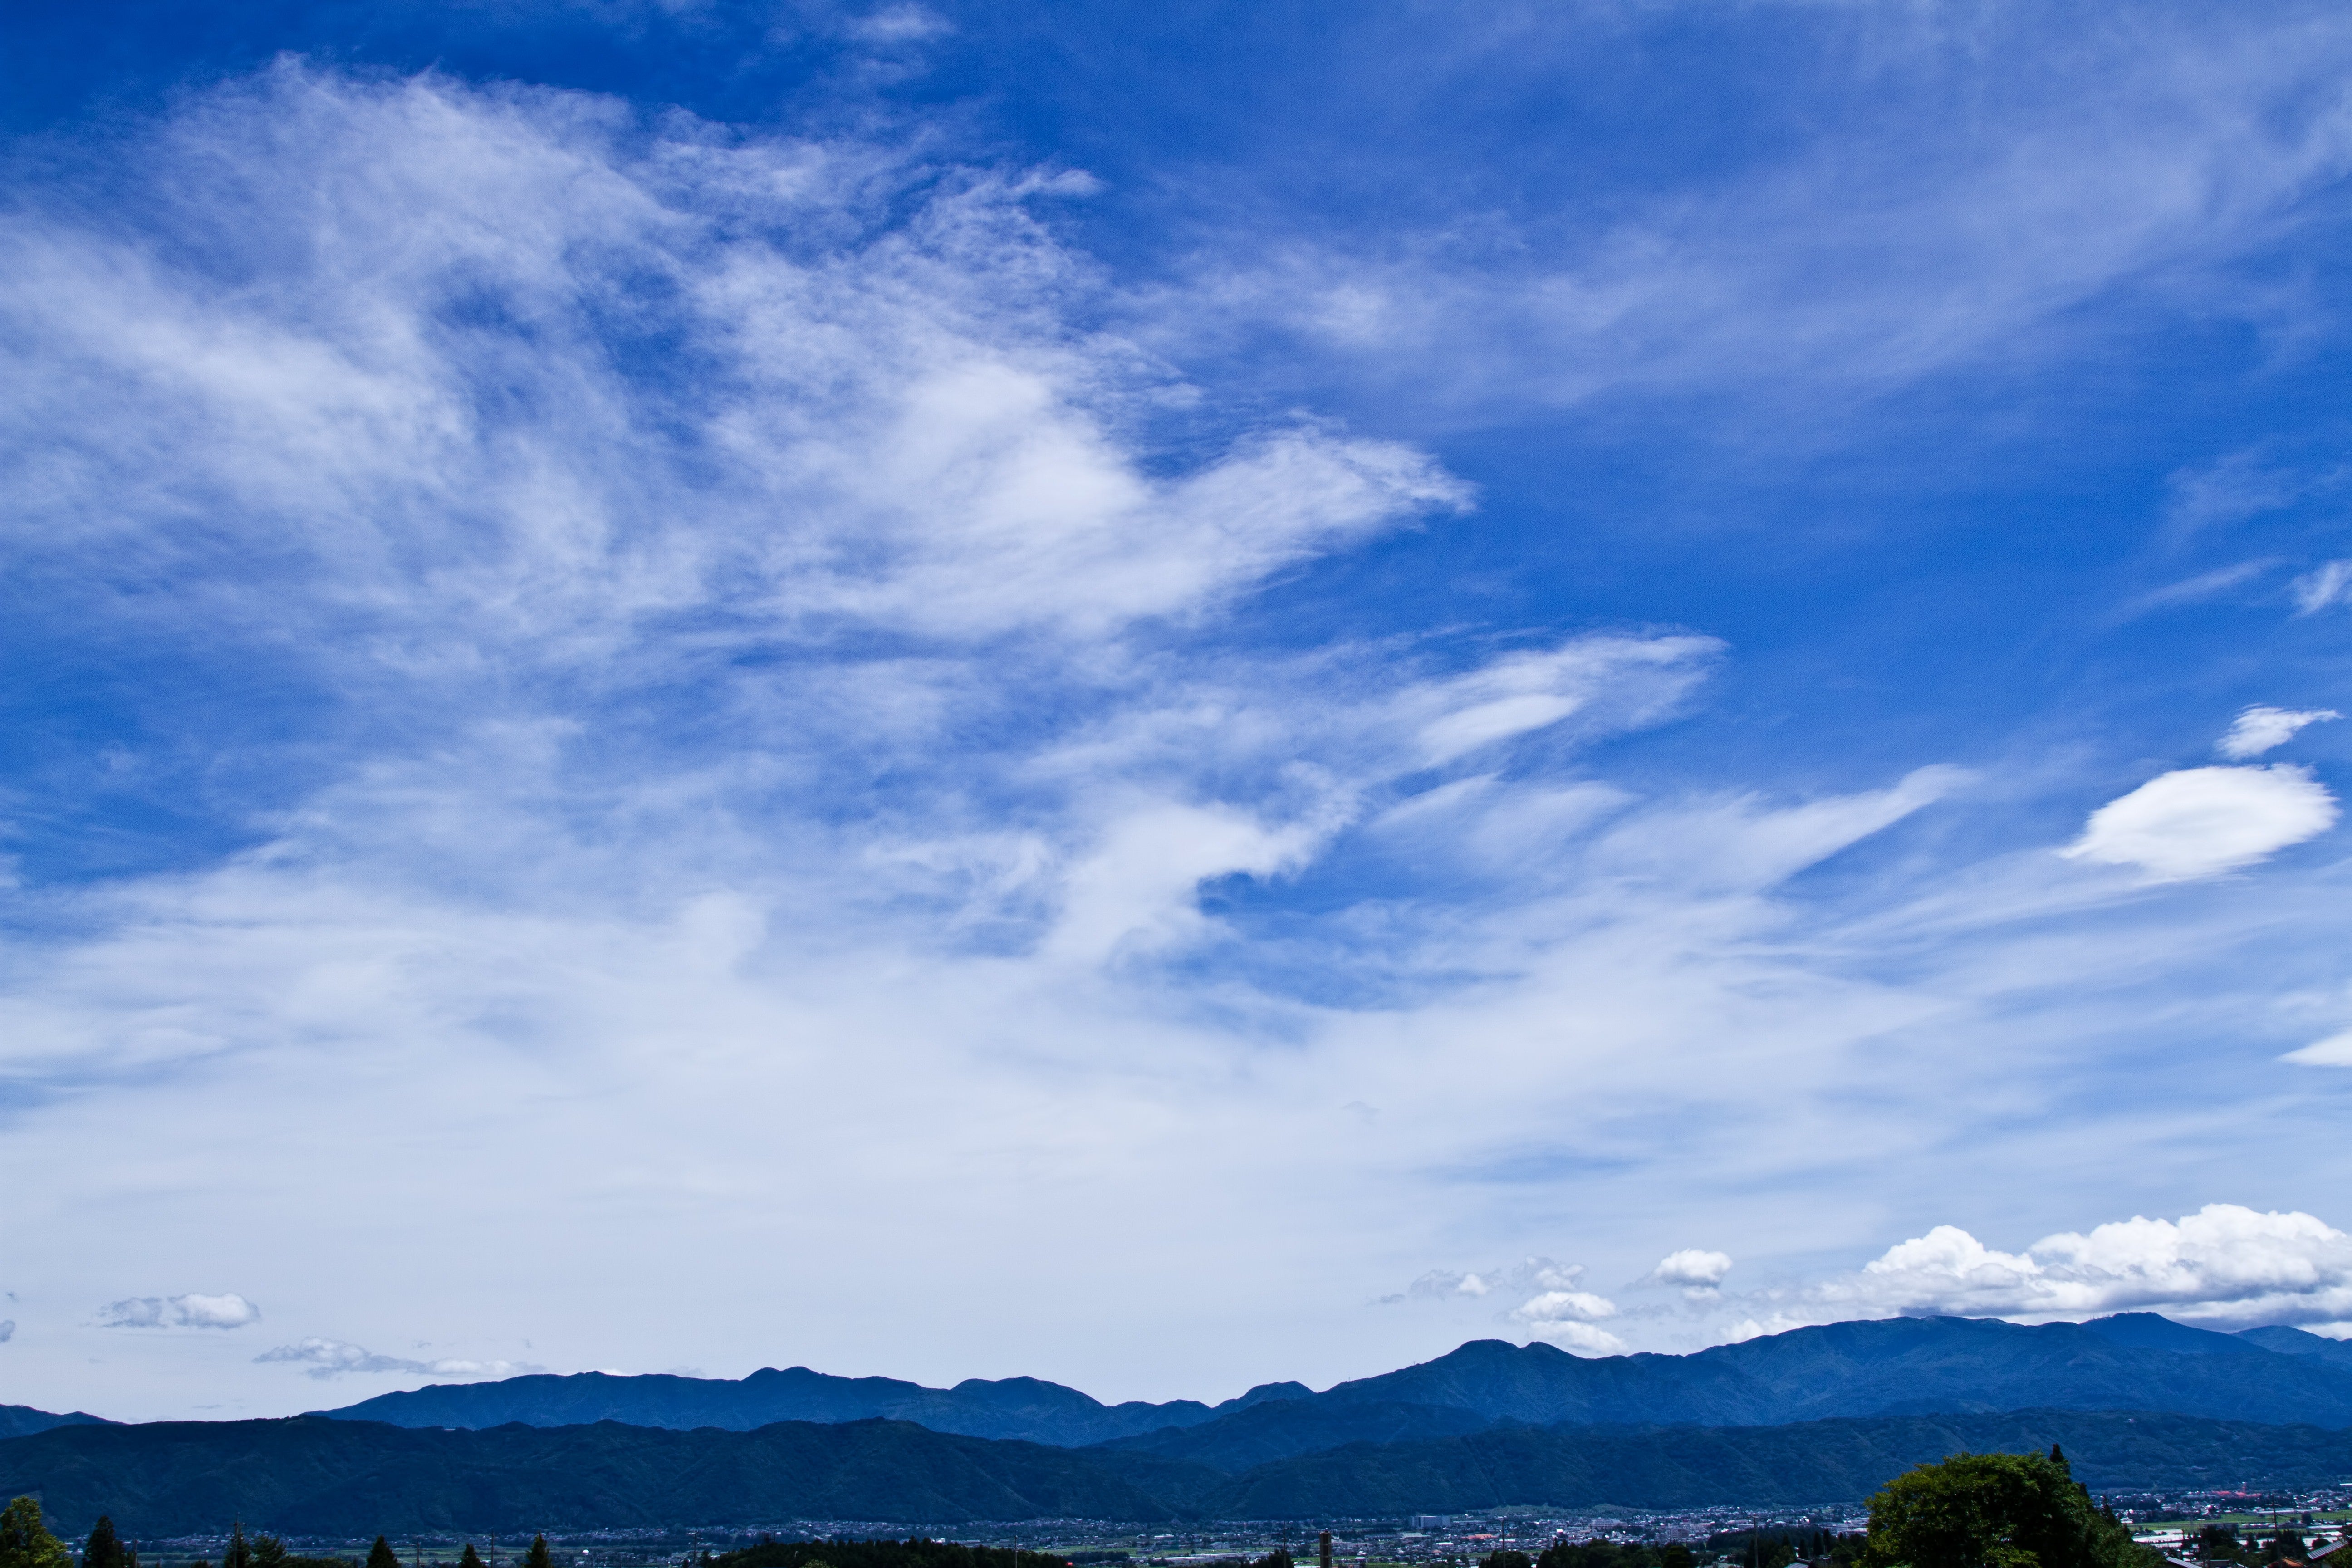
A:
[1898,1366]
[2297,1341]
[1024,1407]
[23,1420]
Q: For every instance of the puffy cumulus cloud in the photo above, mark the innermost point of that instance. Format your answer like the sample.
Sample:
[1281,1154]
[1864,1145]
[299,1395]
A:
[322,1358]
[1569,1319]
[1559,1310]
[1565,1306]
[2259,728]
[2224,1264]
[190,1312]
[1696,1270]
[1583,1339]
[2200,822]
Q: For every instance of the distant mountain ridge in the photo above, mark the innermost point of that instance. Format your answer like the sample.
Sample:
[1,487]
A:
[1027,1408]
[2298,1341]
[23,1420]
[308,1476]
[1893,1366]
[1888,1366]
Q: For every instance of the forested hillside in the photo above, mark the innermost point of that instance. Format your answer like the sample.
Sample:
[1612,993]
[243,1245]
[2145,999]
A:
[310,1476]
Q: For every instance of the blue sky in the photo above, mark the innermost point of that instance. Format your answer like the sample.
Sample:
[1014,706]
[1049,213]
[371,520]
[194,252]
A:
[1161,699]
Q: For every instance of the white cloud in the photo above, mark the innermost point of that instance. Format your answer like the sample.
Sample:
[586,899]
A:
[1640,678]
[1838,269]
[1135,890]
[190,1312]
[2199,822]
[1694,1269]
[2335,1051]
[322,1359]
[2224,1264]
[1561,1313]
[1567,1317]
[1564,1306]
[1439,1284]
[2324,586]
[882,433]
[2259,728]
[2243,484]
[1583,1338]
[1558,1312]
[1528,1274]
[898,24]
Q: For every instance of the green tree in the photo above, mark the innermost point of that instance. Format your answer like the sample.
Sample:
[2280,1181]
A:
[1506,1559]
[382,1555]
[1995,1510]
[267,1552]
[239,1554]
[469,1558]
[1674,1555]
[537,1557]
[104,1549]
[26,1541]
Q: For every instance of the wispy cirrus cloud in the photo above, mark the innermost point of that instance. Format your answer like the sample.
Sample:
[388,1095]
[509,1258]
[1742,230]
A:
[324,1359]
[2262,728]
[1838,264]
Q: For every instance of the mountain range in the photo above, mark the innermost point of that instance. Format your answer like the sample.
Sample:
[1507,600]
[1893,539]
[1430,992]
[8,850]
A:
[310,1476]
[1815,1415]
[1022,1408]
[1894,1367]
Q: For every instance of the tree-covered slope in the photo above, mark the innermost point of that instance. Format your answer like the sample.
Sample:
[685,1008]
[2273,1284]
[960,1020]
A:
[23,1420]
[310,1476]
[315,1477]
[1281,1429]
